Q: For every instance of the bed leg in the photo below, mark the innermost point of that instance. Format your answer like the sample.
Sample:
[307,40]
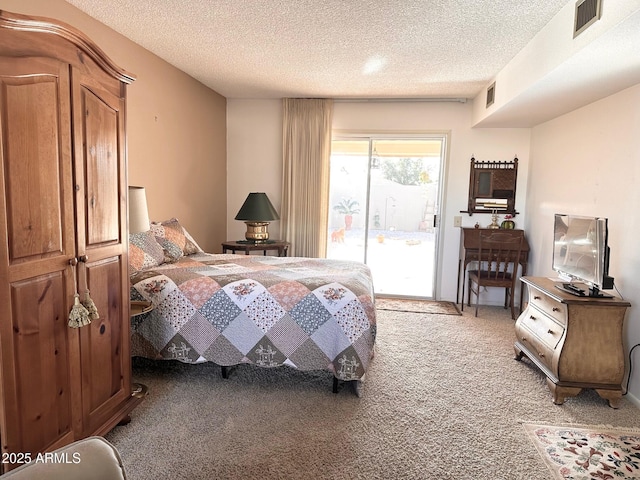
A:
[225,371]
[355,385]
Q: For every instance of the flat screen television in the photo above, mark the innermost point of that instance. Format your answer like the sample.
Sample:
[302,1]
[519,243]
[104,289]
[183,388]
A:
[581,254]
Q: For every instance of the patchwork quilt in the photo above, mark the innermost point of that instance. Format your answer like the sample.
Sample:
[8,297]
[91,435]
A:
[308,313]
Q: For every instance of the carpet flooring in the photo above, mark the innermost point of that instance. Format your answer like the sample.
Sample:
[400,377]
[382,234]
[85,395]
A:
[443,399]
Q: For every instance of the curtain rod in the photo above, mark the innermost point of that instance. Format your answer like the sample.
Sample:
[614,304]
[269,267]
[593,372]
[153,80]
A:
[390,100]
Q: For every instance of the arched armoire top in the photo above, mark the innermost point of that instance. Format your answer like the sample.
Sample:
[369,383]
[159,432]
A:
[54,29]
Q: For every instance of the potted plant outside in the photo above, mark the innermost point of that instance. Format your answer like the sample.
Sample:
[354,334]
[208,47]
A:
[347,207]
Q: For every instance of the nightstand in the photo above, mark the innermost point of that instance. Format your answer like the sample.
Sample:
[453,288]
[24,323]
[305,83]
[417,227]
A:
[137,309]
[234,246]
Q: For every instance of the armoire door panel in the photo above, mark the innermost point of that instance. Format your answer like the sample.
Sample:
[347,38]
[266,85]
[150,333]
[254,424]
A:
[41,342]
[105,370]
[102,169]
[35,112]
[37,215]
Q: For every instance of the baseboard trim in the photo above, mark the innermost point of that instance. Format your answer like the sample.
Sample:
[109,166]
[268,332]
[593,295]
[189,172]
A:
[633,399]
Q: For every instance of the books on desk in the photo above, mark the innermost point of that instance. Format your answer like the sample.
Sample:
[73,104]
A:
[492,204]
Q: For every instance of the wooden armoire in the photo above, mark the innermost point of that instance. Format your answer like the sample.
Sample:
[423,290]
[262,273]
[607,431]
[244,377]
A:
[63,225]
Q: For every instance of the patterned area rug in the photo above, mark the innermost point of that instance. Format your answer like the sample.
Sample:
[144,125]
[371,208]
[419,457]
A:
[586,452]
[418,306]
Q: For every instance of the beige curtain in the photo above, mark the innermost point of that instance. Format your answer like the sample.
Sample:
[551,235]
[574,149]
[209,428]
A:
[306,143]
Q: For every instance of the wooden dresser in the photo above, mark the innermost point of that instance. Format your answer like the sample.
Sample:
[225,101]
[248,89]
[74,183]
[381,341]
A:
[575,341]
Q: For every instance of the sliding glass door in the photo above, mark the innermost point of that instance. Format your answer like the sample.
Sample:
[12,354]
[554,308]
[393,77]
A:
[384,209]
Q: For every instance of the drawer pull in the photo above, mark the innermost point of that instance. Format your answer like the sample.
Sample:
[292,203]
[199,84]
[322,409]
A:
[541,355]
[524,339]
[532,317]
[556,309]
[550,332]
[536,297]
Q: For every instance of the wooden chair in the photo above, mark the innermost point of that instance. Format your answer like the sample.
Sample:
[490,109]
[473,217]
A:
[498,254]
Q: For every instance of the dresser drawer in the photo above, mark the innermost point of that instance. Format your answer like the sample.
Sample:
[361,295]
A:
[536,348]
[556,310]
[545,329]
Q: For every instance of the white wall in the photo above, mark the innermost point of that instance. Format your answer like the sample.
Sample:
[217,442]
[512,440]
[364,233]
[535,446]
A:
[587,162]
[255,160]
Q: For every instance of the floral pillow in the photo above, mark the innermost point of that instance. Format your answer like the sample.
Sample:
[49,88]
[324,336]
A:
[144,252]
[174,239]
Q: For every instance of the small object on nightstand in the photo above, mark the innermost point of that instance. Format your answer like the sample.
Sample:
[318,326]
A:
[140,308]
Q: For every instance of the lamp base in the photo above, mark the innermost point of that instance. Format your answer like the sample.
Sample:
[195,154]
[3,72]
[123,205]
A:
[257,232]
[254,242]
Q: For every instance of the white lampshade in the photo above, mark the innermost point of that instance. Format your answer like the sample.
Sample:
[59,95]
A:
[138,212]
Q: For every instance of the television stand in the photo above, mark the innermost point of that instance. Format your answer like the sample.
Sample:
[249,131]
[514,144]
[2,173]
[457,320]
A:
[575,340]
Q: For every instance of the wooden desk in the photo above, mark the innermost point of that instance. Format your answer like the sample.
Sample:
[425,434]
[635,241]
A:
[281,246]
[469,246]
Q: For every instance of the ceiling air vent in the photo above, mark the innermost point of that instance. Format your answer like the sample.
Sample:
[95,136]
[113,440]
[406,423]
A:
[491,94]
[587,12]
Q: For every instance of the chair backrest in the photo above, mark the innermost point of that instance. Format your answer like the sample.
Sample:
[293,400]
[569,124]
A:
[499,254]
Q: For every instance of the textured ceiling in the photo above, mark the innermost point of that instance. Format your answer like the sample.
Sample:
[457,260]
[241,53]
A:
[332,48]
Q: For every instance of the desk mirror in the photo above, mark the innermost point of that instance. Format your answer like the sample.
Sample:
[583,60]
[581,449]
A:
[492,187]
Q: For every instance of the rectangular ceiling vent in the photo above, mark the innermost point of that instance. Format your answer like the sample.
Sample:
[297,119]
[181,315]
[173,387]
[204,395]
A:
[491,94]
[587,12]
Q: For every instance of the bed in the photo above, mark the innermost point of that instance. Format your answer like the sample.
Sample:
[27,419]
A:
[306,313]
